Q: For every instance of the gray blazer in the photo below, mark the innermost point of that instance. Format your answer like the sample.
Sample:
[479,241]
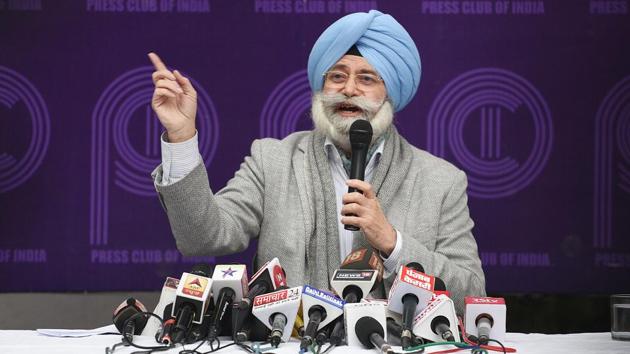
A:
[266,200]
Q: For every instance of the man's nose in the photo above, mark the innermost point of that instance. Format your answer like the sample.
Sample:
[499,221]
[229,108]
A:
[350,88]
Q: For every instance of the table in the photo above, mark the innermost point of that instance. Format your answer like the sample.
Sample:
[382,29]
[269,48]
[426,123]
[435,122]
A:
[27,342]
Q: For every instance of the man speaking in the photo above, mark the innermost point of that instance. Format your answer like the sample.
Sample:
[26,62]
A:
[292,194]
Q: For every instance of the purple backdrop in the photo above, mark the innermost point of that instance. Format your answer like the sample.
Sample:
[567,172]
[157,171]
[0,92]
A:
[530,98]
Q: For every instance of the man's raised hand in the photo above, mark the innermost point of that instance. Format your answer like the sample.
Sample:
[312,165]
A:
[174,101]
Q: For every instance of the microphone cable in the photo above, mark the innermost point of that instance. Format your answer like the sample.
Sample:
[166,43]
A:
[422,347]
[471,340]
[499,343]
[475,348]
[212,348]
[151,349]
[254,348]
[125,340]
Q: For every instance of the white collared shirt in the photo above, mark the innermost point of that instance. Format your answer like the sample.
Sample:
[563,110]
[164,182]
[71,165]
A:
[179,159]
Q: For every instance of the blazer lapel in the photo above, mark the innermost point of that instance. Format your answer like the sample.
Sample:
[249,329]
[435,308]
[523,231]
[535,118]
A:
[300,169]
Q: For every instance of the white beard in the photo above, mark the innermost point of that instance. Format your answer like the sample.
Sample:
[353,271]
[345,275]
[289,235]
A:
[336,127]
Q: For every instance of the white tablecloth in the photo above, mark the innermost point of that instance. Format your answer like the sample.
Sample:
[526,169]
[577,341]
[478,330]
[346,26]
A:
[26,342]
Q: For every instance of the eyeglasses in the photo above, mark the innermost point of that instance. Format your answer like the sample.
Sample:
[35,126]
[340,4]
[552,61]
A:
[338,79]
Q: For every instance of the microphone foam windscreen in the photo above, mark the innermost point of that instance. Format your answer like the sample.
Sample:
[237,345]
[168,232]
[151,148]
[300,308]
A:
[364,327]
[201,269]
[360,132]
[128,308]
[439,285]
[415,266]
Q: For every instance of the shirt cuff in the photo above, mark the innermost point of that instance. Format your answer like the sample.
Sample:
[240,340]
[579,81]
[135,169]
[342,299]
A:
[178,159]
[390,263]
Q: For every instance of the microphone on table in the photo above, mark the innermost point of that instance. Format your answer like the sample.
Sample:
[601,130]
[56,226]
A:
[360,273]
[229,284]
[353,313]
[268,278]
[124,312]
[319,308]
[484,324]
[278,310]
[411,291]
[485,318]
[298,327]
[167,297]
[442,326]
[323,334]
[191,301]
[366,324]
[438,321]
[360,140]
[164,335]
[394,331]
[439,288]
[371,334]
[337,333]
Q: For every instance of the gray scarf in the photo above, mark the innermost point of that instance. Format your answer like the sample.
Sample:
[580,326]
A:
[322,248]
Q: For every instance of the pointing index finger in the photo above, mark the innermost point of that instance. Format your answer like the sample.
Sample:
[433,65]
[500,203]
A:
[157,62]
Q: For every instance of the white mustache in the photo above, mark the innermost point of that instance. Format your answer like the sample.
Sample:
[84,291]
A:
[334,100]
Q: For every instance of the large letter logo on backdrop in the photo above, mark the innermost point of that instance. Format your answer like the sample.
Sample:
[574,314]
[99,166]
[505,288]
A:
[16,90]
[492,96]
[611,124]
[285,106]
[129,98]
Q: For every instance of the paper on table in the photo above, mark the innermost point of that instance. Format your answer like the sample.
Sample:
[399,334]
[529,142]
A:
[110,329]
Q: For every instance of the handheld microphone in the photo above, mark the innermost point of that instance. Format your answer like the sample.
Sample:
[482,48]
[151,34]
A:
[278,310]
[485,318]
[191,301]
[123,312]
[438,321]
[319,309]
[360,139]
[229,284]
[360,273]
[410,288]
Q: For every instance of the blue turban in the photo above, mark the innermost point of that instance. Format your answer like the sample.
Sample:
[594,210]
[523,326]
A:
[382,41]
